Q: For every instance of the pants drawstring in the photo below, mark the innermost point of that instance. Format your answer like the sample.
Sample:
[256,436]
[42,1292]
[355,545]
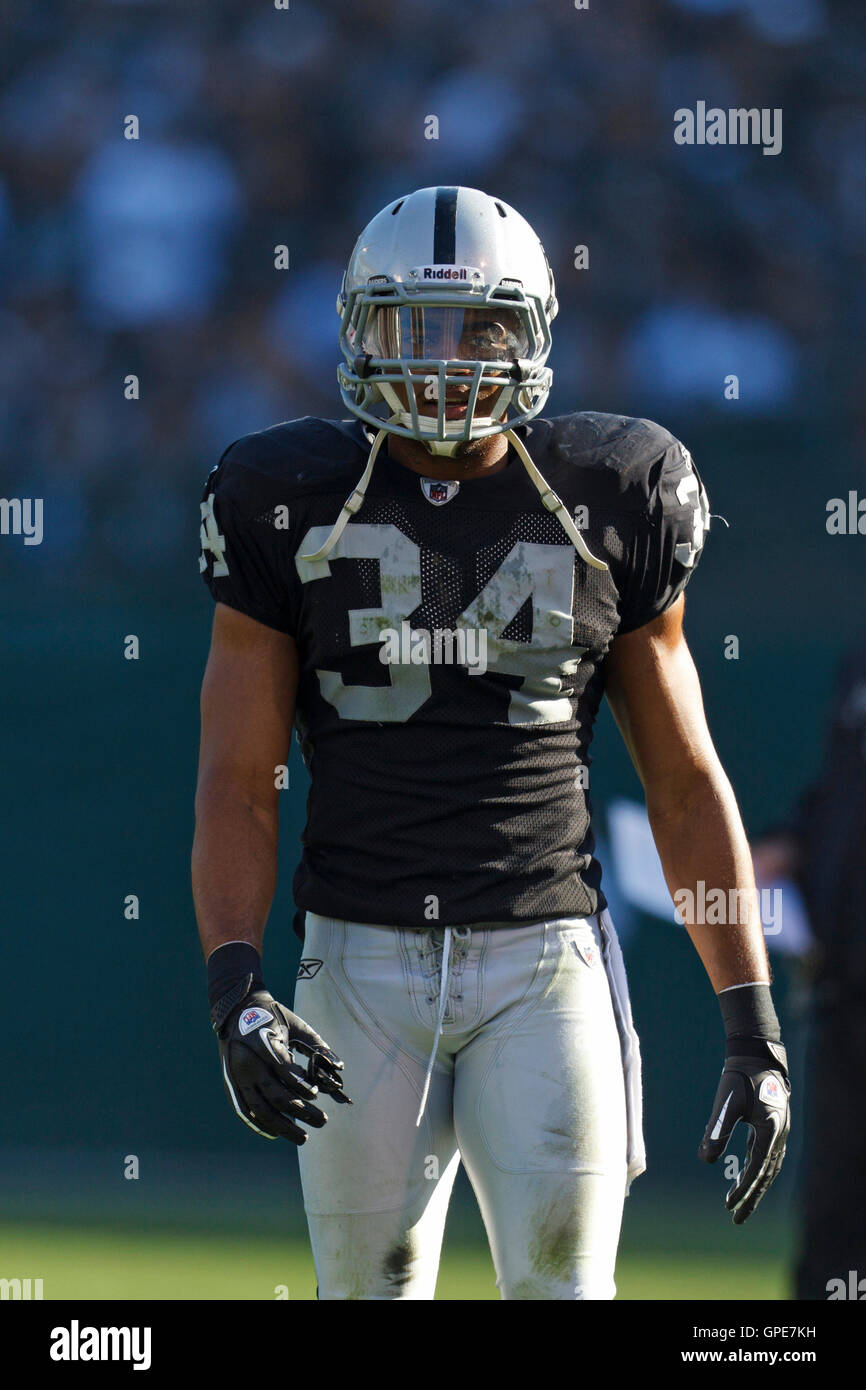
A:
[443,1001]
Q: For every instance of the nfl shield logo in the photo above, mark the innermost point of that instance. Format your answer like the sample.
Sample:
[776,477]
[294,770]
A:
[438,492]
[587,952]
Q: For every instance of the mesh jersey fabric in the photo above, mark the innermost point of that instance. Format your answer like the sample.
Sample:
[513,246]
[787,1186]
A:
[439,795]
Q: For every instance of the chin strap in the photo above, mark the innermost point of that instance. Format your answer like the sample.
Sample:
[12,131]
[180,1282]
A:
[352,504]
[549,498]
[553,503]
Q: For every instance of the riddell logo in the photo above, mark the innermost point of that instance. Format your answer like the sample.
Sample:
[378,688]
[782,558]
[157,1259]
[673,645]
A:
[448,272]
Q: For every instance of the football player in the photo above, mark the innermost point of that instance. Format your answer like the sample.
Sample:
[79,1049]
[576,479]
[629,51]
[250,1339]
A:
[458,952]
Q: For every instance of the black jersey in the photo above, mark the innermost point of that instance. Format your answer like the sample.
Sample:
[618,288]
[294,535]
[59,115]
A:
[449,774]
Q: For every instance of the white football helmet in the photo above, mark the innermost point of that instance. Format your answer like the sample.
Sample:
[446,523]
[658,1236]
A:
[448,294]
[448,297]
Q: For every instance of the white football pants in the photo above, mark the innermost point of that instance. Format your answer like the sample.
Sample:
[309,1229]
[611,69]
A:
[535,1085]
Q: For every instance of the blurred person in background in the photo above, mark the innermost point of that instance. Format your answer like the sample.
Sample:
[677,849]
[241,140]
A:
[822,848]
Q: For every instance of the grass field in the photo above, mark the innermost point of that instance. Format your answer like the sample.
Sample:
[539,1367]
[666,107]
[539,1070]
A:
[103,1262]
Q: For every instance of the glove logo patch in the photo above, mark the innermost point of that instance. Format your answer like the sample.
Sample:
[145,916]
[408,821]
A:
[253,1018]
[308,968]
[771,1092]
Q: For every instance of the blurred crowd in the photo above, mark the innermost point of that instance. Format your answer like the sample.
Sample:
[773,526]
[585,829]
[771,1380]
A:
[261,127]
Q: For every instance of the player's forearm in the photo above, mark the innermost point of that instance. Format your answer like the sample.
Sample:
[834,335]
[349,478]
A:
[234,864]
[708,869]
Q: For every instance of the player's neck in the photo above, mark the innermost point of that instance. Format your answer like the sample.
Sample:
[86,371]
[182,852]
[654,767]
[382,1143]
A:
[488,456]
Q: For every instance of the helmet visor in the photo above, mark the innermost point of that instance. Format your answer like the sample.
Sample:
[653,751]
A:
[445,333]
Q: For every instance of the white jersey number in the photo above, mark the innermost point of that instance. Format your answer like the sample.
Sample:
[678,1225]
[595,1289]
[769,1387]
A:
[542,575]
[690,490]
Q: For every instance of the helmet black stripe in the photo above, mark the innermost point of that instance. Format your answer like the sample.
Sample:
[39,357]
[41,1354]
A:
[445,227]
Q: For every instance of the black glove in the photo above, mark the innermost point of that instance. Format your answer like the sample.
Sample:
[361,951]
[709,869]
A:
[754,1088]
[273,1064]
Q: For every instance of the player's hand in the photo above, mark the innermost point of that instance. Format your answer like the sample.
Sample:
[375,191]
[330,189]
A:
[274,1065]
[755,1089]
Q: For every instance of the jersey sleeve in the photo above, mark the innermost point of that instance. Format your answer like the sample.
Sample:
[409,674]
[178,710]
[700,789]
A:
[669,540]
[246,546]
